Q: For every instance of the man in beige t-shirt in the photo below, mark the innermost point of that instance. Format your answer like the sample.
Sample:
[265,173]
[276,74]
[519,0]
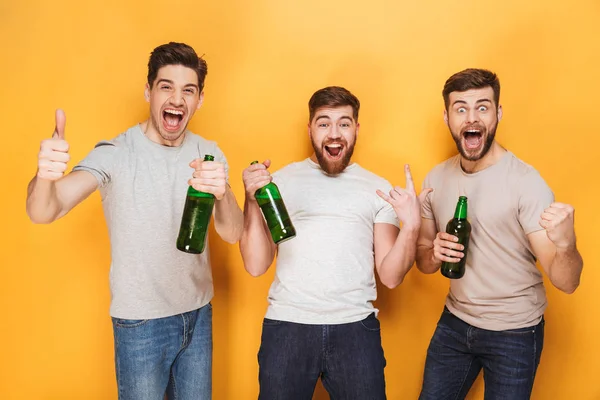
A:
[493,317]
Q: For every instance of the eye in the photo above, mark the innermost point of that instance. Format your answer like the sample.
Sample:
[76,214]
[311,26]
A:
[165,87]
[345,125]
[461,110]
[482,108]
[190,91]
[323,125]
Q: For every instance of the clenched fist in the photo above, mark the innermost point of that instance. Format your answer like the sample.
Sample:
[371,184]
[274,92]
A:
[558,221]
[54,153]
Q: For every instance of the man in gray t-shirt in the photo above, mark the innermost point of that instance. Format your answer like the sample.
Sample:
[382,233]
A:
[160,296]
[321,321]
[493,317]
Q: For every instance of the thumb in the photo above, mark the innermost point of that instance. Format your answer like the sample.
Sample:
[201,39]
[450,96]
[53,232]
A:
[267,163]
[59,130]
[424,193]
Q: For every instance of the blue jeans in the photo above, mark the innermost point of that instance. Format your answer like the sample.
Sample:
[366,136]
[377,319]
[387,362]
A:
[347,357]
[171,355]
[458,351]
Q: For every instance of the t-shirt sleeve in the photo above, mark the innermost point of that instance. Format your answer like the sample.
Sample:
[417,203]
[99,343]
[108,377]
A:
[426,208]
[534,197]
[385,213]
[100,162]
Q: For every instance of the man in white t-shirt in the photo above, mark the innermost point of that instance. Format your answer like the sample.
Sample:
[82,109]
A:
[321,321]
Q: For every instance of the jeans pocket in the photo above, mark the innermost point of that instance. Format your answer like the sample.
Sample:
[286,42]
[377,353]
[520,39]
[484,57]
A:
[371,323]
[521,331]
[271,322]
[129,323]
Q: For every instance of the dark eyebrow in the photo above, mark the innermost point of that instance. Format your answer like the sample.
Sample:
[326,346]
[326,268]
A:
[170,82]
[322,117]
[478,101]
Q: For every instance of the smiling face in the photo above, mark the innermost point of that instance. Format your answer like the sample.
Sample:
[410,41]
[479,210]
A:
[333,133]
[174,97]
[472,117]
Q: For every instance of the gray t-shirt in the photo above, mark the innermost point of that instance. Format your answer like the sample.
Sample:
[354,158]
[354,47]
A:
[325,275]
[502,288]
[143,187]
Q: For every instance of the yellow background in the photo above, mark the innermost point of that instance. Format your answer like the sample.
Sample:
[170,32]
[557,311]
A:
[265,59]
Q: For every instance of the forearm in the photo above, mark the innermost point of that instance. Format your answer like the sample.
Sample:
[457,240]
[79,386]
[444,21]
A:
[229,219]
[426,262]
[399,259]
[565,270]
[256,245]
[43,204]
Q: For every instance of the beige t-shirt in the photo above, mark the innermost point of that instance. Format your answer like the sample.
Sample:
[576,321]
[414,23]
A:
[502,288]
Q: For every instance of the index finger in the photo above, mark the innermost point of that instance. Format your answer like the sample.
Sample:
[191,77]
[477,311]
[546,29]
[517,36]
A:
[410,185]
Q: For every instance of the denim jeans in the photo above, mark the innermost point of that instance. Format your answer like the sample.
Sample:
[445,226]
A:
[458,351]
[171,355]
[347,357]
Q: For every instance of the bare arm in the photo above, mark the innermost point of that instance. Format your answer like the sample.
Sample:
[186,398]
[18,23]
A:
[49,200]
[50,195]
[394,253]
[556,249]
[229,219]
[426,261]
[256,245]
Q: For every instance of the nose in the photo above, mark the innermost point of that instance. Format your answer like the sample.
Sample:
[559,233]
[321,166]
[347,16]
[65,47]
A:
[177,99]
[334,133]
[472,116]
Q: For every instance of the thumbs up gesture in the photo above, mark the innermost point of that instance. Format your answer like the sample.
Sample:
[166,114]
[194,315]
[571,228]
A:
[54,156]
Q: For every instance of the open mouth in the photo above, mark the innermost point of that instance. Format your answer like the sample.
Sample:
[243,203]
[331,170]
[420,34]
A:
[473,138]
[172,119]
[334,150]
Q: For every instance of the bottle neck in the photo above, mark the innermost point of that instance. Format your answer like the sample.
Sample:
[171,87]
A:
[461,210]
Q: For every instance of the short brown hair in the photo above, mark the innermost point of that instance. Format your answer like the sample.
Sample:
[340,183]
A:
[333,96]
[471,78]
[174,53]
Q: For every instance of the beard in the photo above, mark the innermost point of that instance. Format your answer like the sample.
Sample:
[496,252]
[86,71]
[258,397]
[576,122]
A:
[333,167]
[475,155]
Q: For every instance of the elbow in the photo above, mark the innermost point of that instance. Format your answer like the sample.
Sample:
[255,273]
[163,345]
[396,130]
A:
[37,219]
[255,272]
[391,282]
[570,288]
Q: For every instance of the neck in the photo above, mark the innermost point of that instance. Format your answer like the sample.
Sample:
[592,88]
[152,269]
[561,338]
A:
[152,133]
[494,154]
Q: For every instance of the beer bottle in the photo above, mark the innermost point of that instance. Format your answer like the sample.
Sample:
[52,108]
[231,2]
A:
[461,228]
[276,215]
[196,217]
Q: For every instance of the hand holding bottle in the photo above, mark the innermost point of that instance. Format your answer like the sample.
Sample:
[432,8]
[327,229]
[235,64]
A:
[209,177]
[54,153]
[446,248]
[256,176]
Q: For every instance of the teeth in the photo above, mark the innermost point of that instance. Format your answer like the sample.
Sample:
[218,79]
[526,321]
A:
[174,112]
[334,145]
[472,131]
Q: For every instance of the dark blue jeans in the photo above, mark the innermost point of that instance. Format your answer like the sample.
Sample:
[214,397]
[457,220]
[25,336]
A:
[170,355]
[347,357]
[458,351]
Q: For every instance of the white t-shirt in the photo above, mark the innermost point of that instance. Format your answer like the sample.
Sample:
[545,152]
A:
[325,275]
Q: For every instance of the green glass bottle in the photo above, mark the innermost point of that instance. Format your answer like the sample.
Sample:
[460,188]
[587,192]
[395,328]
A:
[273,208]
[461,228]
[195,220]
